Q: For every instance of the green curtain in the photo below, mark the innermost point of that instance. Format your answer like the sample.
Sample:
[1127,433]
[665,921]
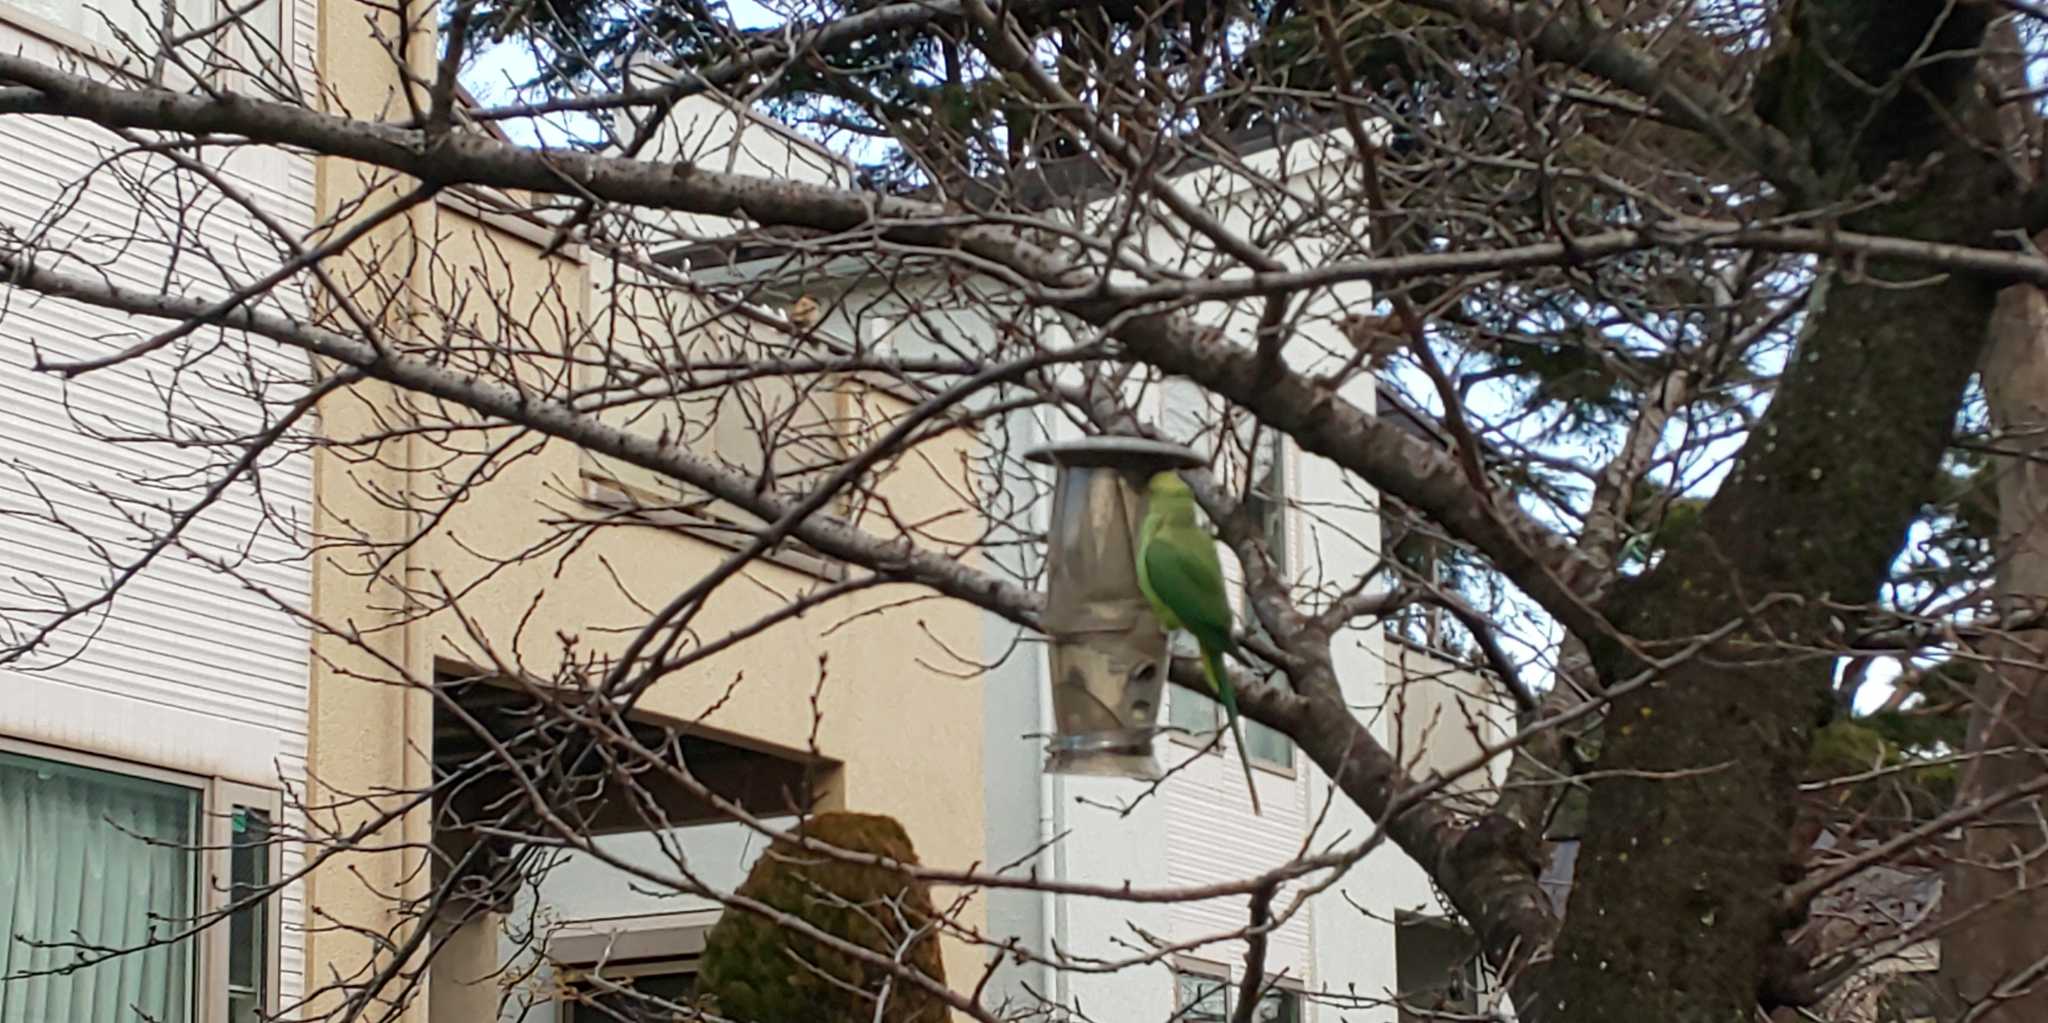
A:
[78,864]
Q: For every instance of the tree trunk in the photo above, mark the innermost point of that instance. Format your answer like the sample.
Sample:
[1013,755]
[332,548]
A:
[1674,914]
[1998,884]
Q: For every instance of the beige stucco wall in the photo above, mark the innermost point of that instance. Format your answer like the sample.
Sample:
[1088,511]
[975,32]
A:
[900,712]
[362,737]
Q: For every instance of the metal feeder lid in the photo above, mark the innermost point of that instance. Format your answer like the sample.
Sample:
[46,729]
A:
[1132,453]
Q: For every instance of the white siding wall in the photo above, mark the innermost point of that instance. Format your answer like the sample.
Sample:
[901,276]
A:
[191,668]
[1212,837]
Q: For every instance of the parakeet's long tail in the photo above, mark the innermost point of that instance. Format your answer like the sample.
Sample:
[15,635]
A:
[1219,680]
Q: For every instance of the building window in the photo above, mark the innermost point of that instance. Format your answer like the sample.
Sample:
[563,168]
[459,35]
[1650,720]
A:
[624,970]
[249,960]
[257,49]
[1196,716]
[266,25]
[1267,501]
[103,856]
[117,28]
[1199,717]
[1268,746]
[630,993]
[101,860]
[1201,997]
[105,21]
[1278,1005]
[1422,554]
[1205,994]
[1437,968]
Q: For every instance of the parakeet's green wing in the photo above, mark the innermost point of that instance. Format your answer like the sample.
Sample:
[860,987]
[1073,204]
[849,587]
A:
[1167,619]
[1185,575]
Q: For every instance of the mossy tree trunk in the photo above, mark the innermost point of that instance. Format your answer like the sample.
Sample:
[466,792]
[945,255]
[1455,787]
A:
[1675,913]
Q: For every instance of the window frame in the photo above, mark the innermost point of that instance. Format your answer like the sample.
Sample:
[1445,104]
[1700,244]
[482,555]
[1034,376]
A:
[1433,620]
[241,49]
[1282,986]
[1285,769]
[1471,971]
[212,865]
[1205,739]
[1201,968]
[224,798]
[105,54]
[572,978]
[1275,516]
[1277,526]
[625,947]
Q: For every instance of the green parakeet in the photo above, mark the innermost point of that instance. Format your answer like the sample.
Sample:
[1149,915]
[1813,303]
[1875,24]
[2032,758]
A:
[1182,578]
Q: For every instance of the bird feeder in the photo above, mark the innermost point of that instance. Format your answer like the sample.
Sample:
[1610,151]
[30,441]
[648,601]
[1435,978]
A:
[1109,654]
